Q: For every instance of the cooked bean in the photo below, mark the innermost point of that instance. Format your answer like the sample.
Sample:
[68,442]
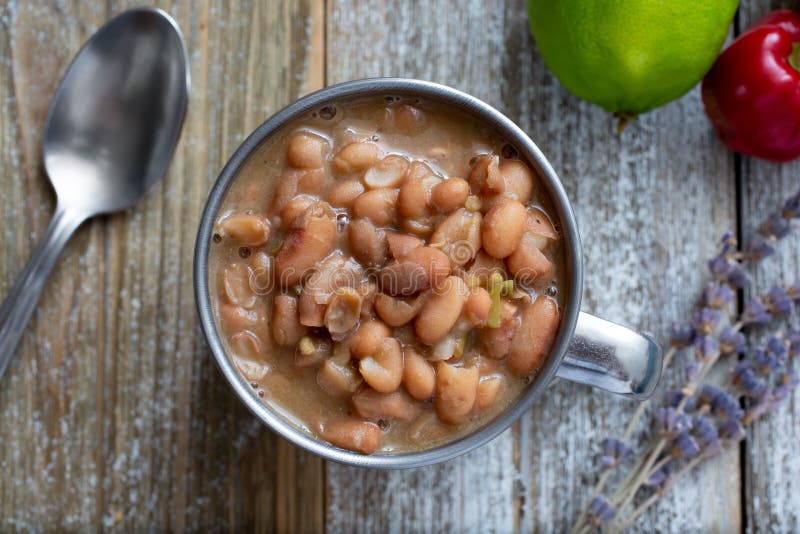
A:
[368,339]
[356,157]
[307,151]
[441,311]
[539,224]
[252,370]
[388,172]
[497,341]
[476,309]
[456,390]
[246,344]
[246,229]
[418,376]
[311,238]
[395,311]
[517,180]
[459,236]
[407,118]
[488,386]
[370,404]
[450,194]
[383,370]
[421,227]
[377,205]
[527,263]
[414,197]
[312,352]
[236,285]
[312,181]
[338,378]
[452,345]
[343,311]
[400,244]
[503,227]
[261,265]
[419,269]
[286,327]
[419,170]
[343,194]
[236,319]
[537,329]
[368,290]
[294,208]
[485,175]
[352,434]
[483,267]
[367,243]
[334,272]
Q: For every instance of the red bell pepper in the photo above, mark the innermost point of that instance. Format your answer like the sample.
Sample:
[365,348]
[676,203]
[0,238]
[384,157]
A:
[752,93]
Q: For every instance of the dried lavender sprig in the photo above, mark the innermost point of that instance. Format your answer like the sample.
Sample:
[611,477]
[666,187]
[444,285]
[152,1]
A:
[727,270]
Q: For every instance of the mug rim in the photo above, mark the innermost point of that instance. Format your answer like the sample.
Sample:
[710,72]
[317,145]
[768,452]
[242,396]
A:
[528,151]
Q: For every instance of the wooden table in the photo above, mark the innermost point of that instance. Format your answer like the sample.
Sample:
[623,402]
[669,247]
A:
[113,414]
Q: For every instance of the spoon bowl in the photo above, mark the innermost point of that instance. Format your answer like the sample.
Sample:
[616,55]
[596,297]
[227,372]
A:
[110,133]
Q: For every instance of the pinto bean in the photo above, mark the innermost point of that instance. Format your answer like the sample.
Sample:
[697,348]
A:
[388,172]
[532,341]
[368,290]
[372,405]
[400,244]
[293,182]
[397,312]
[246,229]
[252,368]
[377,205]
[246,344]
[441,311]
[307,151]
[421,227]
[312,352]
[452,345]
[286,327]
[538,223]
[517,180]
[418,376]
[236,319]
[311,238]
[407,118]
[485,175]
[488,387]
[337,377]
[343,311]
[352,434]
[294,208]
[343,194]
[368,339]
[334,272]
[450,194]
[459,235]
[355,157]
[419,269]
[414,197]
[476,309]
[483,267]
[367,243]
[456,390]
[503,227]
[497,341]
[527,263]
[235,285]
[384,370]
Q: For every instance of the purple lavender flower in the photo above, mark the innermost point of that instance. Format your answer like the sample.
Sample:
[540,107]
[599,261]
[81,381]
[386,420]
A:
[776,226]
[778,301]
[706,348]
[791,208]
[661,476]
[728,271]
[755,312]
[706,320]
[793,339]
[717,295]
[600,511]
[748,380]
[732,430]
[684,446]
[672,422]
[776,346]
[786,383]
[728,243]
[760,248]
[690,373]
[682,335]
[731,341]
[614,451]
[722,404]
[794,292]
[705,432]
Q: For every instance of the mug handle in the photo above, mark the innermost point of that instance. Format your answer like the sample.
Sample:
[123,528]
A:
[611,357]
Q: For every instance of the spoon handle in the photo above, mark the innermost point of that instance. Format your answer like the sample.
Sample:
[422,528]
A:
[23,296]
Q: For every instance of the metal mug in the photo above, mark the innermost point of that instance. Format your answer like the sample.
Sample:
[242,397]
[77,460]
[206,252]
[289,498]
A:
[586,349]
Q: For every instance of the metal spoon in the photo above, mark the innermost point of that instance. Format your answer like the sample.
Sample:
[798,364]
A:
[110,133]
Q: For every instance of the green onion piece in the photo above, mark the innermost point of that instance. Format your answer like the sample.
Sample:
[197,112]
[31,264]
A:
[507,287]
[493,321]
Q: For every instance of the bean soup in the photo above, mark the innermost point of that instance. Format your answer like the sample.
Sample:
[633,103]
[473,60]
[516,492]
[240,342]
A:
[385,274]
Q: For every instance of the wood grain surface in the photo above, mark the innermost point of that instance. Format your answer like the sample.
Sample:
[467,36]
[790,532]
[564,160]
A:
[113,414]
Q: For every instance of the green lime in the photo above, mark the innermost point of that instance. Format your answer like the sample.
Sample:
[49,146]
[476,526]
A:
[630,56]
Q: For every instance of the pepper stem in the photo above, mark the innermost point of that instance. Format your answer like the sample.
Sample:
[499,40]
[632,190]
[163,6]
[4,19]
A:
[794,57]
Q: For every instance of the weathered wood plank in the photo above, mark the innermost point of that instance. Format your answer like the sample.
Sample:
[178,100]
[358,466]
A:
[113,412]
[650,203]
[772,470]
